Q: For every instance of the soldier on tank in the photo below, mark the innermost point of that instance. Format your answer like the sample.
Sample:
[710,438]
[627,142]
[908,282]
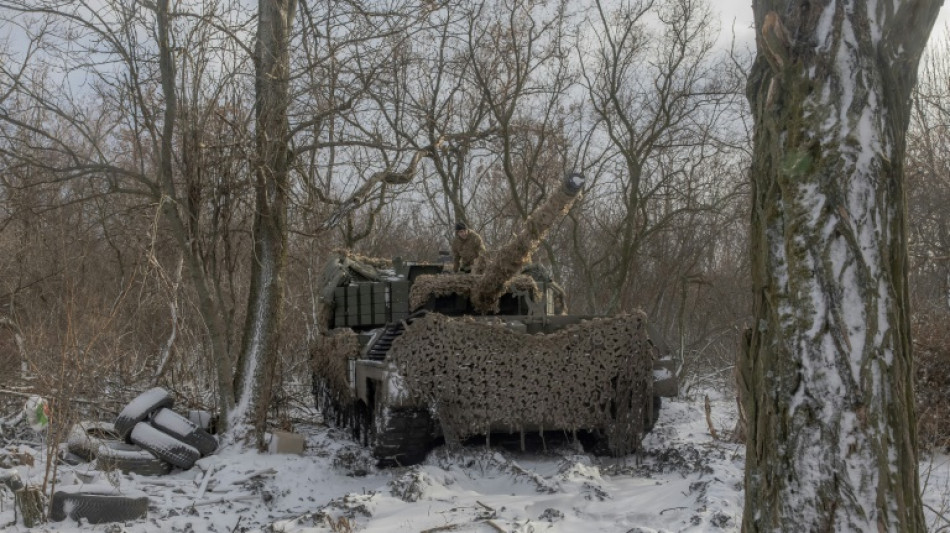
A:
[467,246]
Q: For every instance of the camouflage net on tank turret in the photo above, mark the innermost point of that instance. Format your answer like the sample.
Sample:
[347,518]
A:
[329,359]
[375,262]
[463,284]
[596,375]
[506,262]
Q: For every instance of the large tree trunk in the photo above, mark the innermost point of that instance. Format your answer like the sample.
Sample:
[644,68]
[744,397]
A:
[211,309]
[259,353]
[830,404]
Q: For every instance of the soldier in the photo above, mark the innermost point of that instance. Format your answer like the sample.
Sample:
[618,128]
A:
[466,247]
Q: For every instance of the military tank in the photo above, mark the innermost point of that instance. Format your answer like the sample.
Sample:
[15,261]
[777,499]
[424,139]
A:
[414,354]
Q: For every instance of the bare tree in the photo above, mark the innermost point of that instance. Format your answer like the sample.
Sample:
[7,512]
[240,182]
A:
[659,96]
[829,374]
[928,193]
[259,355]
[128,148]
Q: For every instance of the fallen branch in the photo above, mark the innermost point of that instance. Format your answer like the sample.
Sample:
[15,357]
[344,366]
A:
[204,482]
[496,527]
[241,496]
[672,509]
[447,527]
[252,475]
[542,484]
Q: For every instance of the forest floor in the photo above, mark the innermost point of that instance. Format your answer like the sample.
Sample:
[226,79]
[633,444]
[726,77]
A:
[684,480]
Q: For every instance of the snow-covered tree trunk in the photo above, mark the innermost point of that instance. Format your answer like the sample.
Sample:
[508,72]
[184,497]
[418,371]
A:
[828,375]
[261,337]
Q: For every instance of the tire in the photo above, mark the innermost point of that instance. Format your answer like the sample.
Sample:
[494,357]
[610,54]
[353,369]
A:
[164,446]
[130,458]
[140,408]
[202,419]
[85,438]
[185,430]
[97,504]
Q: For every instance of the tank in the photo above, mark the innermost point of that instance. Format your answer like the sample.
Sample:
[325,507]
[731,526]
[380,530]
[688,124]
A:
[415,355]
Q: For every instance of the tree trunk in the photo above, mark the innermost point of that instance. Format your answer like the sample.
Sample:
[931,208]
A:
[831,433]
[211,309]
[259,353]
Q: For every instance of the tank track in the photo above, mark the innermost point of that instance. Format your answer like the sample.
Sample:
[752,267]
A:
[397,436]
[402,436]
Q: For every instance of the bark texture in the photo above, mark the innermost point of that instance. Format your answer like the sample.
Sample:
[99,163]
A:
[210,308]
[827,376]
[259,356]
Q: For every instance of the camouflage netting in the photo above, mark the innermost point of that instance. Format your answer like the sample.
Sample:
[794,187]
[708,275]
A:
[375,262]
[595,375]
[329,355]
[502,265]
[463,284]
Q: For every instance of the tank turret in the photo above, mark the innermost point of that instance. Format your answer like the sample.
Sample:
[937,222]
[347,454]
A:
[510,260]
[498,277]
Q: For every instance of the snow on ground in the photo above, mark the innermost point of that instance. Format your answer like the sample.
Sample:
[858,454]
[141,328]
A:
[684,481]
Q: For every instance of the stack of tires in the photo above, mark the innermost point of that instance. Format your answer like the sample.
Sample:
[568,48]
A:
[147,438]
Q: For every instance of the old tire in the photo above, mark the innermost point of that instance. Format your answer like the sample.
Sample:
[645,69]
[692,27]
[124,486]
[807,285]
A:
[140,408]
[185,430]
[129,459]
[403,437]
[164,446]
[85,438]
[97,504]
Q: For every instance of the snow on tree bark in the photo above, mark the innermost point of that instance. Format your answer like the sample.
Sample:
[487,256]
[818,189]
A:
[828,374]
[261,337]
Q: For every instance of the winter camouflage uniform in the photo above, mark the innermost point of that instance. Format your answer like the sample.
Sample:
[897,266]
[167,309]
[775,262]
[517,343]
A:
[466,251]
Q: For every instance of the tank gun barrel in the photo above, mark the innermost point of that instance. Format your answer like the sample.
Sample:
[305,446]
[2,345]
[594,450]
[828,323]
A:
[509,260]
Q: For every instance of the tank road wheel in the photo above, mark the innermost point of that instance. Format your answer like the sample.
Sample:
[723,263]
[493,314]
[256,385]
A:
[402,436]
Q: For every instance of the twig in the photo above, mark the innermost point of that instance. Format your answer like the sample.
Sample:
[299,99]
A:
[252,475]
[165,482]
[16,393]
[672,509]
[447,527]
[204,482]
[74,400]
[712,430]
[234,498]
[496,527]
[485,506]
[233,529]
[938,513]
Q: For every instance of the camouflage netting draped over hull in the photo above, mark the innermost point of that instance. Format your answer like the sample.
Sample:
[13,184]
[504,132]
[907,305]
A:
[464,284]
[593,375]
[329,356]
